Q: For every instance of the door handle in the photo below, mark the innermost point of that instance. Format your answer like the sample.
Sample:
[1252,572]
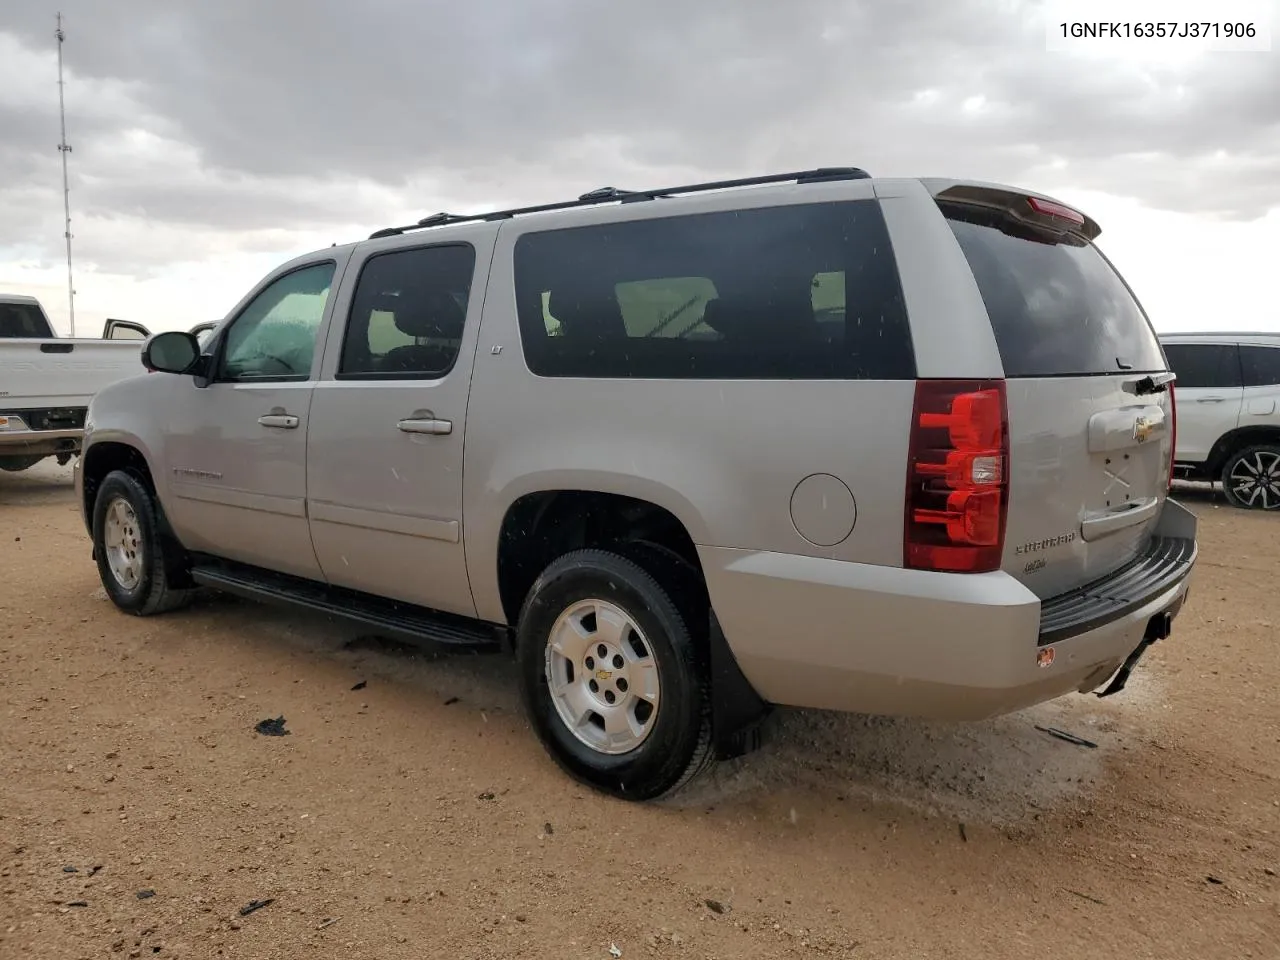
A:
[282,421]
[1210,399]
[437,428]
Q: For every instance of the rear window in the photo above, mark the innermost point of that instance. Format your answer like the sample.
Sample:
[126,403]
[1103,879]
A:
[799,292]
[19,320]
[1057,306]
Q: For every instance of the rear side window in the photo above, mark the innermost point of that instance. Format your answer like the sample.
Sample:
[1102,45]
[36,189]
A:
[1261,366]
[1057,306]
[408,313]
[1215,366]
[804,292]
[21,320]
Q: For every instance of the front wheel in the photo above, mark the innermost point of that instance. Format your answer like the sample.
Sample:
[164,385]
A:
[1251,478]
[612,679]
[133,558]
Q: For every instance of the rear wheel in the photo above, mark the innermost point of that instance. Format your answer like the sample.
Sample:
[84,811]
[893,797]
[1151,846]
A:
[134,560]
[1251,478]
[18,464]
[613,681]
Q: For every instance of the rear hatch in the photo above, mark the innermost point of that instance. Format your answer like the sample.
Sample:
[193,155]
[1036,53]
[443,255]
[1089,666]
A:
[1091,416]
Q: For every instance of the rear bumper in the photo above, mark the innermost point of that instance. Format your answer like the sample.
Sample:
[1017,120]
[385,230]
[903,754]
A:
[41,430]
[825,634]
[46,442]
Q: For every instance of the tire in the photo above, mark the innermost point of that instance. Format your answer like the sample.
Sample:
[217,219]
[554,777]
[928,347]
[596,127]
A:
[1251,478]
[18,464]
[641,754]
[127,540]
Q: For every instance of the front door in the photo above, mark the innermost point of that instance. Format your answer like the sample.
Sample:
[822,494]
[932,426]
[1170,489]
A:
[384,450]
[236,447]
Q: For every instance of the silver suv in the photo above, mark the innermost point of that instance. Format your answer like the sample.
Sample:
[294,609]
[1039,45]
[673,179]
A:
[894,446]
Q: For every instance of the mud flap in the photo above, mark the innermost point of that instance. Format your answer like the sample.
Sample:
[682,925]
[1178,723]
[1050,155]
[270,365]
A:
[737,711]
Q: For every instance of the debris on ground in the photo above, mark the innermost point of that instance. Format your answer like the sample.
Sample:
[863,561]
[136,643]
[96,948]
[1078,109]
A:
[70,869]
[327,922]
[548,829]
[255,905]
[361,685]
[451,701]
[77,903]
[1215,880]
[1085,896]
[272,728]
[94,870]
[614,951]
[715,906]
[145,894]
[1068,737]
[485,796]
[964,837]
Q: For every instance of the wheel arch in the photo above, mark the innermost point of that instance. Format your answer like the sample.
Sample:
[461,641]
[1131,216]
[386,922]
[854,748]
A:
[1233,441]
[105,456]
[541,525]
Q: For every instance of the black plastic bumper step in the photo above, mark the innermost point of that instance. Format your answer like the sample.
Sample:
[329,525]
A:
[1165,563]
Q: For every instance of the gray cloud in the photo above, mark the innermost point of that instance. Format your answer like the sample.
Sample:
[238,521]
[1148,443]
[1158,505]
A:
[307,115]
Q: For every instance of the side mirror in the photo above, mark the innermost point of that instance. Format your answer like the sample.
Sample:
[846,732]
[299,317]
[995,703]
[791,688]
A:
[174,351]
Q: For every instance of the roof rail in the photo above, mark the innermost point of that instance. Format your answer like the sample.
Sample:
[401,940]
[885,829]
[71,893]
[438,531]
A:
[614,195]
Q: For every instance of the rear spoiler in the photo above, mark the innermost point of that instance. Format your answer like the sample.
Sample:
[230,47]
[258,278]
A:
[1033,209]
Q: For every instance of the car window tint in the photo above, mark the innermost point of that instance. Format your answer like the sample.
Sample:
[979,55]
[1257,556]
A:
[1057,306]
[1261,365]
[408,313]
[1211,365]
[808,291]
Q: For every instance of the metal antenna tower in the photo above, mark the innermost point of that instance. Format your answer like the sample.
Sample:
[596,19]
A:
[65,148]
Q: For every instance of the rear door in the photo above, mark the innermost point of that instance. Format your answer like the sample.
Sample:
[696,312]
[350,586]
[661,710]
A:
[1260,404]
[1090,413]
[384,449]
[1210,392]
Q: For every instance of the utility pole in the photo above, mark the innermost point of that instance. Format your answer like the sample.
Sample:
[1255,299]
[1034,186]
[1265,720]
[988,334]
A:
[65,148]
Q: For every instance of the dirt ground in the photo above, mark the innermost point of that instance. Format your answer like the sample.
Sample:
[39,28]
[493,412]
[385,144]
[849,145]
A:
[417,816]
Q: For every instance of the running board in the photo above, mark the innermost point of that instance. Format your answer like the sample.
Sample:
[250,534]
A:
[376,615]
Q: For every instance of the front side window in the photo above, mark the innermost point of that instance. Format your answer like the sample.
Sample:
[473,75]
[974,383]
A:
[794,292]
[274,337]
[408,313]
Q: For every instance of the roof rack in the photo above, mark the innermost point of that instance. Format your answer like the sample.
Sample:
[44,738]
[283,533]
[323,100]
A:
[614,195]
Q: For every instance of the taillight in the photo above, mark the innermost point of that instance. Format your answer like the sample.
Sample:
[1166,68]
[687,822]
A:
[1173,432]
[957,476]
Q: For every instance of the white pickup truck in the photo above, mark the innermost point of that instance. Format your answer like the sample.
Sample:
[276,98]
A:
[46,381]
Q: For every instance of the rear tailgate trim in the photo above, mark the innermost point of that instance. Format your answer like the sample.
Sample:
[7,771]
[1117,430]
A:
[1165,563]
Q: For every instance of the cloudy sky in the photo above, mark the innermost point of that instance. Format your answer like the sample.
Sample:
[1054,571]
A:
[214,140]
